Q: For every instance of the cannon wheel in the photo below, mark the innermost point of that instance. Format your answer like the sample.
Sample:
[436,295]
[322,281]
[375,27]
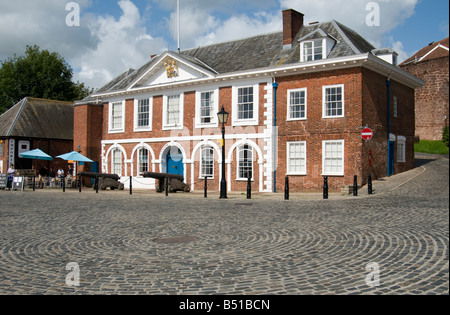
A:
[187,189]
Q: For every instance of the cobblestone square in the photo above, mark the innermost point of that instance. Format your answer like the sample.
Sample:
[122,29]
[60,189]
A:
[184,244]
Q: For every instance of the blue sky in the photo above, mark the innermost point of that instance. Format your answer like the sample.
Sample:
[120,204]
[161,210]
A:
[118,34]
[429,23]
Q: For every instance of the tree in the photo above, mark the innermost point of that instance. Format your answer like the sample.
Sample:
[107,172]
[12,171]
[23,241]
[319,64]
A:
[39,74]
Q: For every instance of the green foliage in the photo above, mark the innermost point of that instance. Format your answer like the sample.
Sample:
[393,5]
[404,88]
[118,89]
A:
[39,74]
[431,147]
[445,136]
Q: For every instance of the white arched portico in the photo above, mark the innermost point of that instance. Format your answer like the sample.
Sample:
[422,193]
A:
[133,155]
[260,161]
[205,143]
[108,157]
[165,151]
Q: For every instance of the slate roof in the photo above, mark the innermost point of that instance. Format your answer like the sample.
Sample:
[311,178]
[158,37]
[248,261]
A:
[432,51]
[39,119]
[256,52]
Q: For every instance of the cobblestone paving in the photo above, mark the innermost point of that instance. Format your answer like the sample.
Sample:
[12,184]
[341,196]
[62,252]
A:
[184,244]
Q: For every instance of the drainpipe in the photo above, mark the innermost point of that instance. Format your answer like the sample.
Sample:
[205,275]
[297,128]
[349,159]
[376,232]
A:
[274,140]
[388,85]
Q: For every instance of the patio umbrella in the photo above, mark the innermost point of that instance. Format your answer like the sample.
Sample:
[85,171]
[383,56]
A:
[74,156]
[36,155]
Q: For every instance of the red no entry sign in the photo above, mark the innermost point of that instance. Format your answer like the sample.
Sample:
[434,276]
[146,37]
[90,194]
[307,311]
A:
[367,134]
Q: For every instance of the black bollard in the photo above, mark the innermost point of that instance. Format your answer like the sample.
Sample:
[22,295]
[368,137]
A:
[64,183]
[249,188]
[355,186]
[370,187]
[34,182]
[206,187]
[79,184]
[96,184]
[167,186]
[325,187]
[131,185]
[286,188]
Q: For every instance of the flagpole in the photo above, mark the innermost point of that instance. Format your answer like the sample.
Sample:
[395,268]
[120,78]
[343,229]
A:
[179,26]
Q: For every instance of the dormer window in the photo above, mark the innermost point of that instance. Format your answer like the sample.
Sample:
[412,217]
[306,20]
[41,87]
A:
[312,50]
[316,46]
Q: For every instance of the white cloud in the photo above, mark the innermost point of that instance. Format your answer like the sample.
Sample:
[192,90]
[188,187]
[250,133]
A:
[353,13]
[223,6]
[240,27]
[398,47]
[30,22]
[104,46]
[98,50]
[206,22]
[123,43]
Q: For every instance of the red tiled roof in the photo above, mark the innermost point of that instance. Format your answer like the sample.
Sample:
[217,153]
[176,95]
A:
[432,51]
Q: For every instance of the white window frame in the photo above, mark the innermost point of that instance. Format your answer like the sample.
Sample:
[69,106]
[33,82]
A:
[235,110]
[325,158]
[290,158]
[324,100]
[215,109]
[111,118]
[401,149]
[238,153]
[202,175]
[140,163]
[289,105]
[180,124]
[149,127]
[114,162]
[395,106]
[23,146]
[314,43]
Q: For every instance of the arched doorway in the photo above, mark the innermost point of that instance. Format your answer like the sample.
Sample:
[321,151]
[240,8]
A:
[174,163]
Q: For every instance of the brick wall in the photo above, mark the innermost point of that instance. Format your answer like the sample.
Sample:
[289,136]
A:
[432,100]
[49,146]
[365,104]
[53,148]
[225,99]
[88,130]
[375,116]
[316,129]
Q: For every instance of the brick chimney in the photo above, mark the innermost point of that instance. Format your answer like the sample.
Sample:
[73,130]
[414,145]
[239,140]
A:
[292,23]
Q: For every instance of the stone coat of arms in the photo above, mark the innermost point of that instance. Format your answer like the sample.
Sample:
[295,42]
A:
[171,69]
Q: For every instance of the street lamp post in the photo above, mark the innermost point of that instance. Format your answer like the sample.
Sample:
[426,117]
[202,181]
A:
[223,117]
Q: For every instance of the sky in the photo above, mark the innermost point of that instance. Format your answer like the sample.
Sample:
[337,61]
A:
[100,39]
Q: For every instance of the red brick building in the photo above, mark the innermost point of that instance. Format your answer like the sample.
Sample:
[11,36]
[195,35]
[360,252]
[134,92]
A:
[297,99]
[432,100]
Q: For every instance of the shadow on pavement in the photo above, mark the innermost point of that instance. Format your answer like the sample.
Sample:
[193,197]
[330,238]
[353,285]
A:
[421,162]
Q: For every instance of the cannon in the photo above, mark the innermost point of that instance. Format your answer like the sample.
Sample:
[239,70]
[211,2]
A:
[104,180]
[175,182]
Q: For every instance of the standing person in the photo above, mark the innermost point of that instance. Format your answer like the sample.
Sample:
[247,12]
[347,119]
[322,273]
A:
[70,176]
[43,173]
[11,174]
[60,176]
[52,176]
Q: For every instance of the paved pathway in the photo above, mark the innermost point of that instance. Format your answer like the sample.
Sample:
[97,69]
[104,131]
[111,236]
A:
[184,244]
